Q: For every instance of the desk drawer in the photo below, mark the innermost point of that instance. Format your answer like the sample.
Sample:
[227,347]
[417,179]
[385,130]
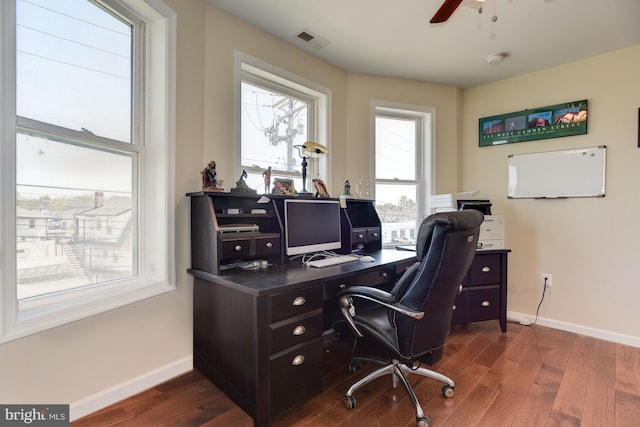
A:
[373,234]
[376,278]
[358,235]
[234,248]
[485,270]
[295,376]
[295,303]
[267,246]
[460,309]
[291,332]
[483,303]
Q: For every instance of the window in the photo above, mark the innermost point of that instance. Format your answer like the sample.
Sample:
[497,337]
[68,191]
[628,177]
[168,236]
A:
[402,160]
[91,132]
[278,112]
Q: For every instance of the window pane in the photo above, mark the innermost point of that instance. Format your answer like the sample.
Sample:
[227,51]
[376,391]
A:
[74,227]
[256,181]
[397,208]
[74,67]
[395,148]
[272,124]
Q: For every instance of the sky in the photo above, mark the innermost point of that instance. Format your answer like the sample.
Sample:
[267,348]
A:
[73,71]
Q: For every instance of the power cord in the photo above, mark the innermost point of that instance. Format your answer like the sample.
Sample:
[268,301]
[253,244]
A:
[544,291]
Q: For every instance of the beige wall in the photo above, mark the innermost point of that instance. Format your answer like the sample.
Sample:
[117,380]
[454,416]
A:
[362,90]
[351,95]
[588,245]
[89,361]
[225,36]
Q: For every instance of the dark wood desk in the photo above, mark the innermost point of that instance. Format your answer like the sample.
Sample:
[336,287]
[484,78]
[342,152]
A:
[258,333]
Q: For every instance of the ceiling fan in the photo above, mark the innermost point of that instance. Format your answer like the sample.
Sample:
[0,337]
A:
[446,10]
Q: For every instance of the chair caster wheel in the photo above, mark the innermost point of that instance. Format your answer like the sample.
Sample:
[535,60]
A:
[352,367]
[350,402]
[447,391]
[423,422]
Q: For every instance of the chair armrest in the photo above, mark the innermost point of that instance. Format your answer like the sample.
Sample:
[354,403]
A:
[375,294]
[345,301]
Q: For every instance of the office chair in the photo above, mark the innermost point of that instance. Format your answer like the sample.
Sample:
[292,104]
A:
[408,325]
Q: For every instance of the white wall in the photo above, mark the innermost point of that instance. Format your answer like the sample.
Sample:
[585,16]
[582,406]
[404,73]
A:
[590,246]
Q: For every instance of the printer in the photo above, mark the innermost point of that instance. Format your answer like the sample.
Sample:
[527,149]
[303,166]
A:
[491,229]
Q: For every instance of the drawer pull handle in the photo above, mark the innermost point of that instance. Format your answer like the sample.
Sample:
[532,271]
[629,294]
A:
[454,306]
[299,330]
[269,245]
[384,275]
[360,236]
[486,303]
[299,301]
[375,234]
[298,360]
[238,248]
[486,269]
[342,286]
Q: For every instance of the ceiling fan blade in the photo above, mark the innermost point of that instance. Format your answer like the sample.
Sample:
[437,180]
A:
[445,11]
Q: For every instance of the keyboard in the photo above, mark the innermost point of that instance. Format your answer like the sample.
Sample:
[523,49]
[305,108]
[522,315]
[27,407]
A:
[334,260]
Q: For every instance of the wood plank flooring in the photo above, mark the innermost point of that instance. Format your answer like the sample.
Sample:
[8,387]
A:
[529,376]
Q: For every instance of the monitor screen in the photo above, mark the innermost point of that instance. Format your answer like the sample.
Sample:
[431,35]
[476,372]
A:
[311,225]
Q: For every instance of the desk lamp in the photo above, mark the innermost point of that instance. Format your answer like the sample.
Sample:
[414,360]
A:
[306,150]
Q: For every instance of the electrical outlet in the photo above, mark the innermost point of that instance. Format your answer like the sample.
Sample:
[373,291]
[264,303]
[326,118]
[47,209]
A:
[546,279]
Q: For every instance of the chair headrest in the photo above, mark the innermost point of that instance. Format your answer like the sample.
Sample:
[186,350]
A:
[454,221]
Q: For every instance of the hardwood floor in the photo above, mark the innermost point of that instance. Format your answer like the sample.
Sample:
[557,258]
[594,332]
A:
[529,376]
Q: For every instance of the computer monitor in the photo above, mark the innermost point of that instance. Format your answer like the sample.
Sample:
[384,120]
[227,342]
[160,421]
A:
[311,225]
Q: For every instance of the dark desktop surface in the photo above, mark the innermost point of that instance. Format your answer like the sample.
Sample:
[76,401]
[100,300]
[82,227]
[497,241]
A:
[278,278]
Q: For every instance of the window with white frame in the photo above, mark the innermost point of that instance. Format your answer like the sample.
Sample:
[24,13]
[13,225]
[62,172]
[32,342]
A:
[278,113]
[402,170]
[91,132]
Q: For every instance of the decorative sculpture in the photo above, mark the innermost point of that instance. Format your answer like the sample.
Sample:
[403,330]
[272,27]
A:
[241,184]
[210,181]
[266,175]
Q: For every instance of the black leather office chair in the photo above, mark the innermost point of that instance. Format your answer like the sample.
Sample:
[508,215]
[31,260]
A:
[408,325]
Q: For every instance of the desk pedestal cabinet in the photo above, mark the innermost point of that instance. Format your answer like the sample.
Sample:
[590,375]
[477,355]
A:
[484,290]
[258,333]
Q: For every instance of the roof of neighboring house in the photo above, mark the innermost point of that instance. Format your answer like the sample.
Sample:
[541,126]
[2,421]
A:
[112,207]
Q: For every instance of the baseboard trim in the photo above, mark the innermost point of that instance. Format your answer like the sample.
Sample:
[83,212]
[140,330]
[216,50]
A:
[578,329]
[129,388]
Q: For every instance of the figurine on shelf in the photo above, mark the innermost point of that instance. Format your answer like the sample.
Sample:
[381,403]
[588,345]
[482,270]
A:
[209,178]
[346,191]
[241,184]
[266,175]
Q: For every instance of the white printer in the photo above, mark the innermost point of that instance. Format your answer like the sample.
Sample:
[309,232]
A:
[492,228]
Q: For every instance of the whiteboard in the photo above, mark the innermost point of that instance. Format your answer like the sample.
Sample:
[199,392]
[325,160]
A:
[577,172]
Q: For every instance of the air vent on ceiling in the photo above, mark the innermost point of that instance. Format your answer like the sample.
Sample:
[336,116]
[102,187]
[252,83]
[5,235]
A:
[308,38]
[305,36]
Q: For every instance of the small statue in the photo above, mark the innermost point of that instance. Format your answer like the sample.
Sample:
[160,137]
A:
[266,175]
[209,177]
[241,184]
[346,191]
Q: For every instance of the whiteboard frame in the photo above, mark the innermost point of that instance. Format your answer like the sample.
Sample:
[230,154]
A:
[557,174]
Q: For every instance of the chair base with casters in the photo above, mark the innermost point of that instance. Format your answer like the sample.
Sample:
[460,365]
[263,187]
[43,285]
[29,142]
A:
[397,370]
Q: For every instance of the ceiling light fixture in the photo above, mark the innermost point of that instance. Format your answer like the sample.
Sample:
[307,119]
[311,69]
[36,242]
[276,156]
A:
[496,58]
